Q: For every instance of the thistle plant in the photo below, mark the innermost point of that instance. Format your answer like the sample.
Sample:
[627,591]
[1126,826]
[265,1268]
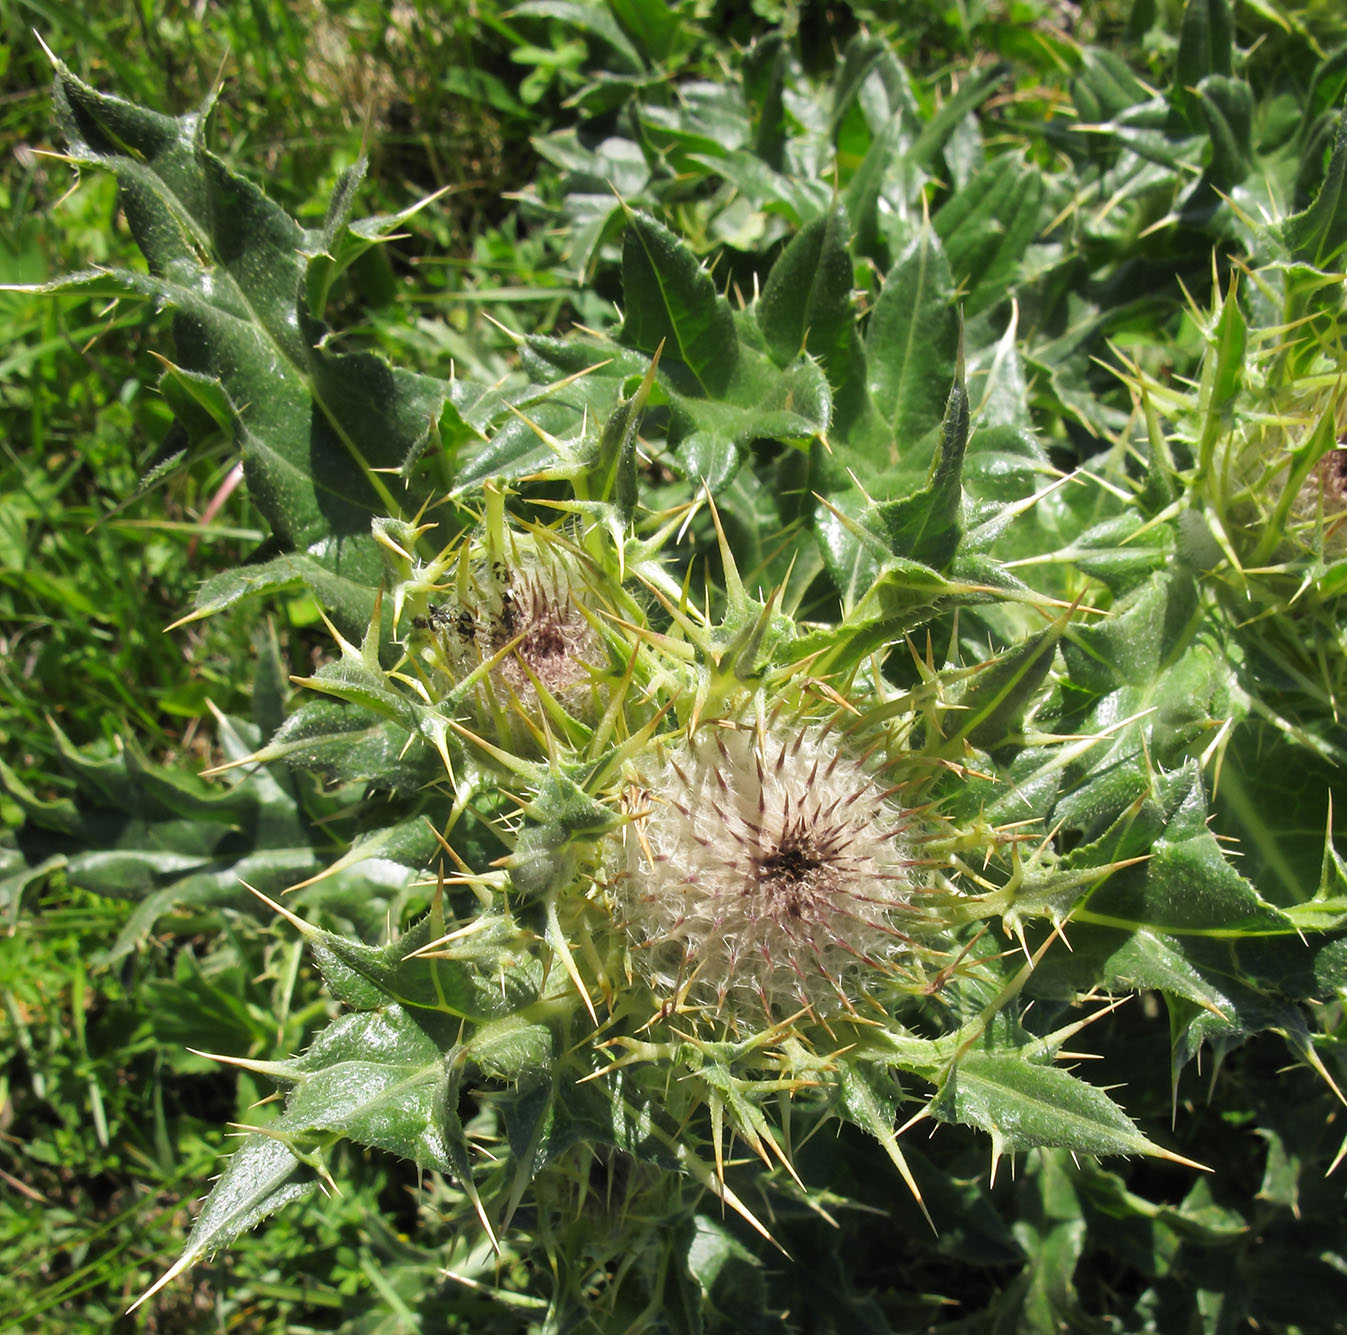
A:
[775,752]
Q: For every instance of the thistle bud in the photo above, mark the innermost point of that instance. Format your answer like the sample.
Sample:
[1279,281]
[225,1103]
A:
[523,625]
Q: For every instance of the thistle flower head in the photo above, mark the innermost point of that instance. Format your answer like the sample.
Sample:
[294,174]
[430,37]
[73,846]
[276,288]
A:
[767,869]
[516,614]
[528,616]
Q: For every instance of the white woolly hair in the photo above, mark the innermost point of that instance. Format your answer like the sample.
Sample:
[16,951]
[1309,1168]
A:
[766,870]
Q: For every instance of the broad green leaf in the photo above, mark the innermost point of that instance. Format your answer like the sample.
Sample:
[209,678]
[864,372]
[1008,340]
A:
[912,342]
[514,1051]
[1124,960]
[765,66]
[1227,105]
[1106,86]
[158,836]
[1276,801]
[806,306]
[376,1078]
[727,1272]
[709,120]
[199,402]
[669,299]
[863,192]
[1206,46]
[808,286]
[970,94]
[1119,554]
[1051,1230]
[655,26]
[590,18]
[863,56]
[770,191]
[549,359]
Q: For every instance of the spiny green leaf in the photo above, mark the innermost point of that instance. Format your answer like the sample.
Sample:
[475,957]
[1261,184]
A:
[231,265]
[1022,1104]
[256,1183]
[350,743]
[1186,885]
[613,474]
[987,227]
[1001,690]
[925,527]
[385,1089]
[912,342]
[482,975]
[1148,629]
[669,298]
[1317,236]
[345,593]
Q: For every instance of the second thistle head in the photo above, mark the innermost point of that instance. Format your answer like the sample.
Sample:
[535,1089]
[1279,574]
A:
[527,623]
[510,618]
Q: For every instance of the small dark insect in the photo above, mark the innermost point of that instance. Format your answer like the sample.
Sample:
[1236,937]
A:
[436,618]
[445,618]
[509,615]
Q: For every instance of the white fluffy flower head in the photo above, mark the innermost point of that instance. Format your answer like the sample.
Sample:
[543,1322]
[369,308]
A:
[767,870]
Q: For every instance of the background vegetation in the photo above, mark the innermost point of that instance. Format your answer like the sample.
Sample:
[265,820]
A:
[1110,184]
